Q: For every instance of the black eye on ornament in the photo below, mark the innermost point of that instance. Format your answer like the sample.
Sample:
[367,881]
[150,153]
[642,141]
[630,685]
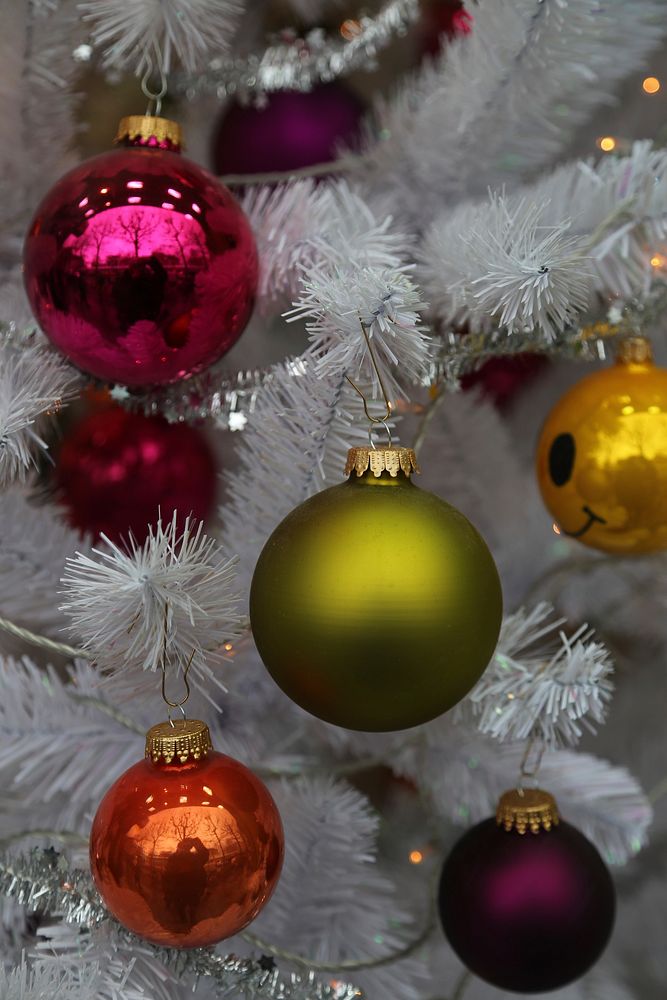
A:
[561,459]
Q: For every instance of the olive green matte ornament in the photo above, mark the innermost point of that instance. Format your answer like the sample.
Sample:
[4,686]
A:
[375,605]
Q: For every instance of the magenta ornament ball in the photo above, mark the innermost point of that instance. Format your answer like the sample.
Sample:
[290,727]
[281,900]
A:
[117,472]
[140,267]
[292,130]
[526,912]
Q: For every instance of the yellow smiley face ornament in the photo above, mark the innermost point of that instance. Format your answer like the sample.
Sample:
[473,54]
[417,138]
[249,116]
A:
[602,456]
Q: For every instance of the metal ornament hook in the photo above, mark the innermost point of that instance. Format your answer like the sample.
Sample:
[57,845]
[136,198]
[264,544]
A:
[385,395]
[531,761]
[154,106]
[173,704]
[181,703]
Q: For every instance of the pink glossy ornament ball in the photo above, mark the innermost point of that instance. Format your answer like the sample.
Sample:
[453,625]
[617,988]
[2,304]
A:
[140,266]
[116,471]
[293,129]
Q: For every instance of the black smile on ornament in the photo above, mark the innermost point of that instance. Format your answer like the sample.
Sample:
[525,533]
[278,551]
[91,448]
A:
[592,518]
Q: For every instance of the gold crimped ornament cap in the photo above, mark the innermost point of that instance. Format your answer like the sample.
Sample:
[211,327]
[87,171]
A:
[150,130]
[634,351]
[187,739]
[379,460]
[527,809]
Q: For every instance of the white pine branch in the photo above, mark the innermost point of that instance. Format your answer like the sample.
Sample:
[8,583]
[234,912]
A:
[541,683]
[294,445]
[324,247]
[336,298]
[469,456]
[498,264]
[125,971]
[34,382]
[476,116]
[534,261]
[170,600]
[332,903]
[463,773]
[48,979]
[34,544]
[60,752]
[37,104]
[133,32]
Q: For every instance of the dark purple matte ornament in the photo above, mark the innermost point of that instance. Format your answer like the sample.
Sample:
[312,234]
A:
[529,907]
[293,129]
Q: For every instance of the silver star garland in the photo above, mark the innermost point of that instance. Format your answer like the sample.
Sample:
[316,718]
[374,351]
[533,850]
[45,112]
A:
[42,881]
[301,63]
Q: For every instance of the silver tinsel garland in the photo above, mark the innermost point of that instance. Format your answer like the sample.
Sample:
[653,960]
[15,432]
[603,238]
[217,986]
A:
[43,882]
[301,63]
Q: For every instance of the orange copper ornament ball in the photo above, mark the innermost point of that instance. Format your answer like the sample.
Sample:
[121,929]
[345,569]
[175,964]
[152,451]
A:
[187,845]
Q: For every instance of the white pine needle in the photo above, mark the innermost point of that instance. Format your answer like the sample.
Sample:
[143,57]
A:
[541,683]
[335,299]
[294,445]
[50,981]
[351,909]
[170,600]
[133,32]
[34,382]
[498,264]
[463,773]
[34,544]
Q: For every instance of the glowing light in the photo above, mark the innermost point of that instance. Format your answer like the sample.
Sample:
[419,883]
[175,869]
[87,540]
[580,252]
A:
[135,184]
[510,696]
[627,410]
[91,211]
[182,799]
[350,29]
[556,530]
[149,799]
[174,193]
[83,203]
[104,190]
[134,199]
[657,260]
[207,790]
[196,208]
[107,204]
[416,857]
[651,85]
[228,646]
[607,143]
[653,410]
[167,204]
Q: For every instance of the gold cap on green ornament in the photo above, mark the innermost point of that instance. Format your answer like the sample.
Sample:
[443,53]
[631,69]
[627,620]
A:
[148,130]
[524,809]
[379,460]
[186,739]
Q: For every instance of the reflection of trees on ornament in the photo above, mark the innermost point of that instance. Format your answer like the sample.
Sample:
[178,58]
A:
[112,262]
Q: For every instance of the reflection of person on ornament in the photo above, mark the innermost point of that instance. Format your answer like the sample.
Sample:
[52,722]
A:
[184,882]
[139,291]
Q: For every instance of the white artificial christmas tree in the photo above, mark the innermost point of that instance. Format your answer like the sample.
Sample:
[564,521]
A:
[461,231]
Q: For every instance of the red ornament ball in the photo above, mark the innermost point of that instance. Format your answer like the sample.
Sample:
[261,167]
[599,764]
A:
[116,471]
[502,379]
[443,19]
[293,129]
[186,846]
[527,912]
[140,266]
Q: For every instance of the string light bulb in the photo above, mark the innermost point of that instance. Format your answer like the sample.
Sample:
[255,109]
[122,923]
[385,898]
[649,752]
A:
[607,143]
[651,85]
